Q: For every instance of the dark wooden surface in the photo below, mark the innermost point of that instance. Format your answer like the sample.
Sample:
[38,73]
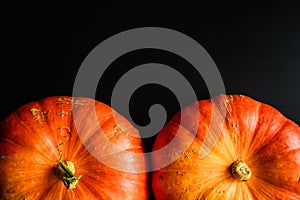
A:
[256,48]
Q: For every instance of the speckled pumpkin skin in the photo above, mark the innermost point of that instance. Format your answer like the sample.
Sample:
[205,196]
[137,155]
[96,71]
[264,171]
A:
[38,134]
[251,131]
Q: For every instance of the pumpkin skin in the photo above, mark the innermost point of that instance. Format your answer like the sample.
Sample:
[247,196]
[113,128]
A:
[38,136]
[252,132]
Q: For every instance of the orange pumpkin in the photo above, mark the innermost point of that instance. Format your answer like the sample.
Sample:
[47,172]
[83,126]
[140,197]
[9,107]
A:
[70,148]
[248,150]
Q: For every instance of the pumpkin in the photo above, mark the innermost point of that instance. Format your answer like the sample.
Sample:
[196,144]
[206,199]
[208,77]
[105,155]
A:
[233,148]
[70,148]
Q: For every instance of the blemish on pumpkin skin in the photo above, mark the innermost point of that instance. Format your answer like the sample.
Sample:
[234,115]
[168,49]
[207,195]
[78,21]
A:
[70,101]
[211,194]
[218,191]
[62,113]
[66,136]
[235,128]
[33,111]
[227,108]
[235,140]
[37,114]
[119,130]
[78,102]
[2,157]
[10,191]
[61,131]
[186,154]
[230,98]
[298,178]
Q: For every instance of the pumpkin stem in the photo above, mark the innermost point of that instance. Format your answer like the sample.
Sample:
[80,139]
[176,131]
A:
[65,171]
[240,170]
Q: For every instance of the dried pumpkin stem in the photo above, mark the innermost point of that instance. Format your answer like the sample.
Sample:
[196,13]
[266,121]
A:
[240,170]
[65,171]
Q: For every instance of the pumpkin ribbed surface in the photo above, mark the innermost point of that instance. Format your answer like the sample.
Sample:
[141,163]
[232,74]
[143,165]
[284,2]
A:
[248,151]
[43,157]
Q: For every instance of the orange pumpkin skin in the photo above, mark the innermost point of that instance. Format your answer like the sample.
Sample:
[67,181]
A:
[253,132]
[38,135]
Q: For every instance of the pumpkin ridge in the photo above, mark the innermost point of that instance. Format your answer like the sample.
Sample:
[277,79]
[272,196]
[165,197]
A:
[236,123]
[86,185]
[257,129]
[44,103]
[251,143]
[76,147]
[10,141]
[267,143]
[258,187]
[185,130]
[214,191]
[95,130]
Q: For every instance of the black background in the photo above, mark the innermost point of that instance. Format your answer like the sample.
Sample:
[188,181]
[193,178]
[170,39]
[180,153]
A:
[255,46]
